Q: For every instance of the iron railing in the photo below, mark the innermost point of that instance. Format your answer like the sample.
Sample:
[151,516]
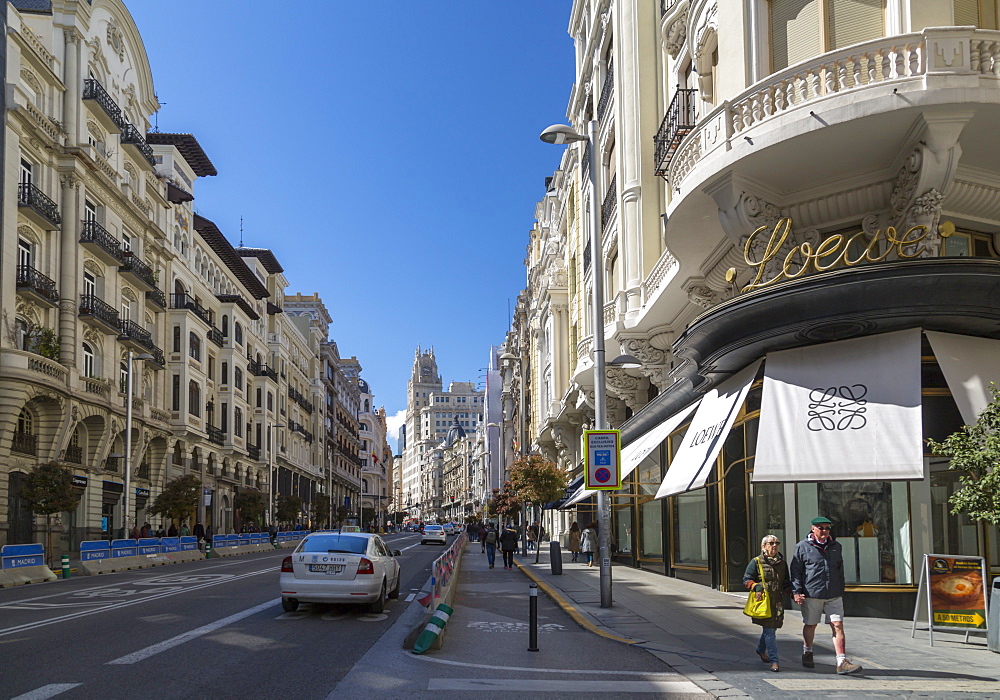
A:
[680,119]
[74,454]
[25,443]
[215,435]
[259,369]
[143,471]
[157,297]
[186,301]
[93,232]
[29,277]
[133,331]
[132,137]
[253,451]
[132,263]
[607,91]
[91,305]
[93,90]
[610,205]
[215,335]
[28,195]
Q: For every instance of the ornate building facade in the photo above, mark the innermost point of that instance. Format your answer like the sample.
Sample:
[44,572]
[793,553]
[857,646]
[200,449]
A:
[774,177]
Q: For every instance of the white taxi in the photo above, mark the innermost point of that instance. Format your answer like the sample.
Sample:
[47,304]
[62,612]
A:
[434,533]
[340,567]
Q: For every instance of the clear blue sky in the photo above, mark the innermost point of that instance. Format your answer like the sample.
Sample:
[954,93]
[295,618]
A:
[387,152]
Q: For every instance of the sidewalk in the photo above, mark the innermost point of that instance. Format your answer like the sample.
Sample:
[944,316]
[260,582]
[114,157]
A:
[703,634]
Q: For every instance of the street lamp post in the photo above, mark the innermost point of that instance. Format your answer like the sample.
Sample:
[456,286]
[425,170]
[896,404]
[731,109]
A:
[561,134]
[271,476]
[132,357]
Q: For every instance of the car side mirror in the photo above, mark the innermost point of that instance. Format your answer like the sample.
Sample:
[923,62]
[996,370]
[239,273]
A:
[397,553]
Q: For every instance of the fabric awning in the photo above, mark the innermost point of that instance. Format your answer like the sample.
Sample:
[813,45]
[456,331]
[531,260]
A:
[969,365]
[636,451]
[846,410]
[693,462]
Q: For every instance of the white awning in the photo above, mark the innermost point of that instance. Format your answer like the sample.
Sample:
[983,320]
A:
[846,410]
[969,365]
[636,451]
[693,462]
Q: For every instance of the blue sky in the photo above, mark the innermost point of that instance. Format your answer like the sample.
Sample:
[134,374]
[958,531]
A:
[387,152]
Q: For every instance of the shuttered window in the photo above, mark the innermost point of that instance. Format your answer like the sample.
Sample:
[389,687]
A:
[966,13]
[795,32]
[853,21]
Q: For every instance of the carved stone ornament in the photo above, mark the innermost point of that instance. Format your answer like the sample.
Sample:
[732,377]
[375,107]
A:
[71,36]
[701,295]
[116,38]
[643,349]
[69,180]
[676,34]
[906,182]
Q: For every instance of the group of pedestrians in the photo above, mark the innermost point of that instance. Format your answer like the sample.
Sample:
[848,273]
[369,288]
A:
[815,580]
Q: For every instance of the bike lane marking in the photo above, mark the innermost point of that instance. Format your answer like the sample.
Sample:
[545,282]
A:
[154,649]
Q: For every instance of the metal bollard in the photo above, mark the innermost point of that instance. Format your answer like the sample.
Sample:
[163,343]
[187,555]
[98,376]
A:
[65,566]
[208,549]
[533,618]
[555,558]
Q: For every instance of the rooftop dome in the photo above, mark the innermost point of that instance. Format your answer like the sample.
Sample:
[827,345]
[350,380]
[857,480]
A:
[455,433]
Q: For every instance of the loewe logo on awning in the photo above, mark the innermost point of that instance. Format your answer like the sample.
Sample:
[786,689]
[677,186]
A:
[837,408]
[838,250]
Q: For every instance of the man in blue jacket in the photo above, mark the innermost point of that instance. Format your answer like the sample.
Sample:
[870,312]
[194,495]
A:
[817,573]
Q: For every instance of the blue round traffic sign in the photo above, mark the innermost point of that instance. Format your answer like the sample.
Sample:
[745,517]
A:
[603,475]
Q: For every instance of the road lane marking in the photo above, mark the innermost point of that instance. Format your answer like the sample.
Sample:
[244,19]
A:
[153,649]
[124,604]
[410,597]
[47,691]
[884,685]
[657,675]
[563,686]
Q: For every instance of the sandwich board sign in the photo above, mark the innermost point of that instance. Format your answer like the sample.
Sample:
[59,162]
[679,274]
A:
[603,452]
[954,590]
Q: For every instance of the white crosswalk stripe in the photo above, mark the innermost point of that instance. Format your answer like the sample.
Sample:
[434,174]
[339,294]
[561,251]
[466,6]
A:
[514,685]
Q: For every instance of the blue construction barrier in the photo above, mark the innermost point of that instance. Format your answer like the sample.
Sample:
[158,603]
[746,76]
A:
[124,548]
[15,556]
[95,550]
[170,544]
[149,545]
[189,543]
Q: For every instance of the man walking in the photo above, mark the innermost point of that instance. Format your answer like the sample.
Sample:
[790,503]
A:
[817,573]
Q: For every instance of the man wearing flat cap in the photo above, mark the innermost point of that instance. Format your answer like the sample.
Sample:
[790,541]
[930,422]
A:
[817,573]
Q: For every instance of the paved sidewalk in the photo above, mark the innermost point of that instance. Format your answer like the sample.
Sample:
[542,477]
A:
[703,634]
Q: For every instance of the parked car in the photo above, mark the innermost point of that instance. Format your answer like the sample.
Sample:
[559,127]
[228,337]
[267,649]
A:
[340,567]
[434,533]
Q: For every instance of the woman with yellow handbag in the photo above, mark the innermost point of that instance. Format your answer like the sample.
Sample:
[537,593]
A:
[767,580]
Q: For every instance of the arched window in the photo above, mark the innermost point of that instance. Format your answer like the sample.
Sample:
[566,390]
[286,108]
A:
[238,333]
[194,346]
[194,398]
[88,361]
[25,422]
[238,422]
[225,326]
[238,378]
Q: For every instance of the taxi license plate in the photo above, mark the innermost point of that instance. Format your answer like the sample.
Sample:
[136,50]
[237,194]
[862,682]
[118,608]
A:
[326,568]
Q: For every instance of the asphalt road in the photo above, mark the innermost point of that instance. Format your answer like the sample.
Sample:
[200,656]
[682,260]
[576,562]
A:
[196,630]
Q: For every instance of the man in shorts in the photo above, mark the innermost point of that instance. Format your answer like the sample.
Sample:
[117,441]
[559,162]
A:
[817,573]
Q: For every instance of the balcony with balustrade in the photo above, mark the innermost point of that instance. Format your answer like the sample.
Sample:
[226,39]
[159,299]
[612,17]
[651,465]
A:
[215,435]
[134,336]
[156,298]
[680,119]
[260,369]
[99,314]
[133,138]
[102,243]
[35,286]
[186,301]
[137,272]
[215,335]
[108,113]
[24,443]
[74,454]
[37,206]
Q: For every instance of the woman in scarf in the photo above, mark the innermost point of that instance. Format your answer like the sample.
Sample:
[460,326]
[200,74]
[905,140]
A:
[776,584]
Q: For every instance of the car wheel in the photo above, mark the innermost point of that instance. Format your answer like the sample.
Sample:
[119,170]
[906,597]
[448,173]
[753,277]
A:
[395,591]
[379,604]
[289,604]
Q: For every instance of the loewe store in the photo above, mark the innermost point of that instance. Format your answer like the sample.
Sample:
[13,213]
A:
[822,390]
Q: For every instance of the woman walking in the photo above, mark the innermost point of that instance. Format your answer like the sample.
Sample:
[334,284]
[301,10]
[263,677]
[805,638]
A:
[574,541]
[588,542]
[776,584]
[508,545]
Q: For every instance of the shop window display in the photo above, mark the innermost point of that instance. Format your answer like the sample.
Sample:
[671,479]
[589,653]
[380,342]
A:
[650,511]
[690,516]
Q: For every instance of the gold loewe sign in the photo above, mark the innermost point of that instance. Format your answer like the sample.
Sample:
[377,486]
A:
[834,251]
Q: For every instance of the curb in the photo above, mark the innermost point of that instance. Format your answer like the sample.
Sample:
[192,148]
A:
[570,610]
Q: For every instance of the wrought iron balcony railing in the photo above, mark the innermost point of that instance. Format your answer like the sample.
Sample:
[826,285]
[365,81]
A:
[253,451]
[259,369]
[25,443]
[186,301]
[215,335]
[678,122]
[607,91]
[132,137]
[93,90]
[33,280]
[610,205]
[143,471]
[215,435]
[96,234]
[130,330]
[157,297]
[91,305]
[74,454]
[132,263]
[28,195]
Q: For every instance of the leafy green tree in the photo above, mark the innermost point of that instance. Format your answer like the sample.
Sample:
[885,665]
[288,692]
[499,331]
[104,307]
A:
[48,490]
[974,451]
[537,481]
[288,508]
[321,511]
[179,499]
[342,512]
[250,504]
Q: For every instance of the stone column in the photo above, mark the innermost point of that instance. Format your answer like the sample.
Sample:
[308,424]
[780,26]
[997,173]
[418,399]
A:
[73,93]
[69,260]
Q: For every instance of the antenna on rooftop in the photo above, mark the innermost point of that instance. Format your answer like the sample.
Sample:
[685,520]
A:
[241,231]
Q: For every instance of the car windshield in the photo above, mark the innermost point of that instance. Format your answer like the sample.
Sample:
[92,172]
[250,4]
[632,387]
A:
[348,544]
